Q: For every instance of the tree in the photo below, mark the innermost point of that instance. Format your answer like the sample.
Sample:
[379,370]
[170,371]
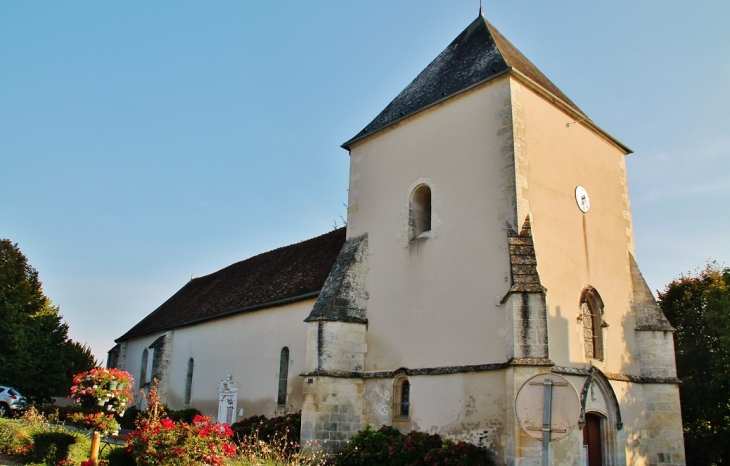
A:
[698,306]
[35,350]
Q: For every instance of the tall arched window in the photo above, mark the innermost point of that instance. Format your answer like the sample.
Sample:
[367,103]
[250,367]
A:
[401,399]
[419,218]
[189,382]
[591,306]
[283,375]
[143,370]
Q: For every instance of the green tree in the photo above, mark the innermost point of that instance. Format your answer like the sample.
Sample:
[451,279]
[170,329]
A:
[79,358]
[698,306]
[35,351]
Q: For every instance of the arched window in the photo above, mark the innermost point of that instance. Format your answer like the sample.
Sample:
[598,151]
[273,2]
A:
[283,375]
[419,218]
[143,371]
[591,307]
[189,382]
[401,399]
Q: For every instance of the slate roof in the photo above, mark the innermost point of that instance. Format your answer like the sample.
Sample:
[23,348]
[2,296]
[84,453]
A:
[478,54]
[277,277]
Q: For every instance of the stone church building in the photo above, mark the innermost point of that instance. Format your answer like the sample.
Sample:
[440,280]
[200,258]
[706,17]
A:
[489,240]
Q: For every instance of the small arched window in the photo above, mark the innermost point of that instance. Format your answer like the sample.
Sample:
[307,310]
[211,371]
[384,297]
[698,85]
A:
[143,370]
[283,375]
[591,307]
[401,399]
[419,217]
[189,382]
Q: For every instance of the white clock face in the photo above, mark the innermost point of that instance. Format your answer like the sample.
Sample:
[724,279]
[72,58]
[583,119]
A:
[581,197]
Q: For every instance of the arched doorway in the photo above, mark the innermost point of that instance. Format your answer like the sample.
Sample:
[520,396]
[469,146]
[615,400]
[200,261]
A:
[592,439]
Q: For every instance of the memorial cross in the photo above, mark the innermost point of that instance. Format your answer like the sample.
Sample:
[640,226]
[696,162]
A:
[547,414]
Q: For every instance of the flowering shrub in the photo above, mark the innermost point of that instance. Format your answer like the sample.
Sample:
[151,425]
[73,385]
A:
[15,438]
[105,424]
[158,440]
[170,443]
[387,446]
[110,389]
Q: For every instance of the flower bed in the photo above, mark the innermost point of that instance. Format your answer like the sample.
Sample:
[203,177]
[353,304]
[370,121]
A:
[158,440]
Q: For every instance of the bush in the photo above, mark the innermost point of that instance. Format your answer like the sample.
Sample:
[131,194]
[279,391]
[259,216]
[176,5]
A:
[158,440]
[129,420]
[120,457]
[183,415]
[387,446]
[15,438]
[41,442]
[51,446]
[282,429]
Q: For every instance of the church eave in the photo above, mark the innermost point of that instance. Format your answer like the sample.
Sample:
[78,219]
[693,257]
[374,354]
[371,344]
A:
[257,307]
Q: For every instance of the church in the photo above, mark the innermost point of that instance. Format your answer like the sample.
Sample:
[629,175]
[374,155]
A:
[488,259]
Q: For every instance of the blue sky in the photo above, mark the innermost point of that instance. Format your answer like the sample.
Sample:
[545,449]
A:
[142,142]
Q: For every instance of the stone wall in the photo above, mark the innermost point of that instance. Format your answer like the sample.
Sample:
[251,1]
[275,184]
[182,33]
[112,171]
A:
[333,397]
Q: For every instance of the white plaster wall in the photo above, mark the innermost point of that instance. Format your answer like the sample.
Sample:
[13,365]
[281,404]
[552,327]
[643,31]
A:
[574,249]
[247,346]
[133,362]
[426,296]
[465,406]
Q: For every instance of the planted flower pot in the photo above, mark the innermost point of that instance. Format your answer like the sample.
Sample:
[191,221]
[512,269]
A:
[100,402]
[113,385]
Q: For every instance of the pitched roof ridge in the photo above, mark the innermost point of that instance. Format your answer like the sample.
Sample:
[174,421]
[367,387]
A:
[270,251]
[479,54]
[518,61]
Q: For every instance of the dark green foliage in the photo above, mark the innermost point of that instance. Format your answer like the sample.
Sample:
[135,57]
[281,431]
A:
[79,358]
[35,352]
[699,308]
[184,415]
[120,457]
[389,447]
[130,418]
[51,447]
[284,430]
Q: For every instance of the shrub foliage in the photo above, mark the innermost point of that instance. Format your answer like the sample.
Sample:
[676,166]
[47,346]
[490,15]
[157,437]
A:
[389,447]
[698,306]
[281,429]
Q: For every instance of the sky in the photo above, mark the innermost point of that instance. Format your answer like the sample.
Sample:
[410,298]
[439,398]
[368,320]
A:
[142,143]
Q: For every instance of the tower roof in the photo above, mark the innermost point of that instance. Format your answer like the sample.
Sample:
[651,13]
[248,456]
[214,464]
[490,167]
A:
[479,54]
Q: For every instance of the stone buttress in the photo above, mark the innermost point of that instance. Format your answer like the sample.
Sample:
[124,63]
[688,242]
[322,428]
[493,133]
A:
[655,340]
[333,396]
[527,337]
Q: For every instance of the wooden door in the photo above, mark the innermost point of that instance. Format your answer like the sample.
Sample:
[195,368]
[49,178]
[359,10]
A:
[592,438]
